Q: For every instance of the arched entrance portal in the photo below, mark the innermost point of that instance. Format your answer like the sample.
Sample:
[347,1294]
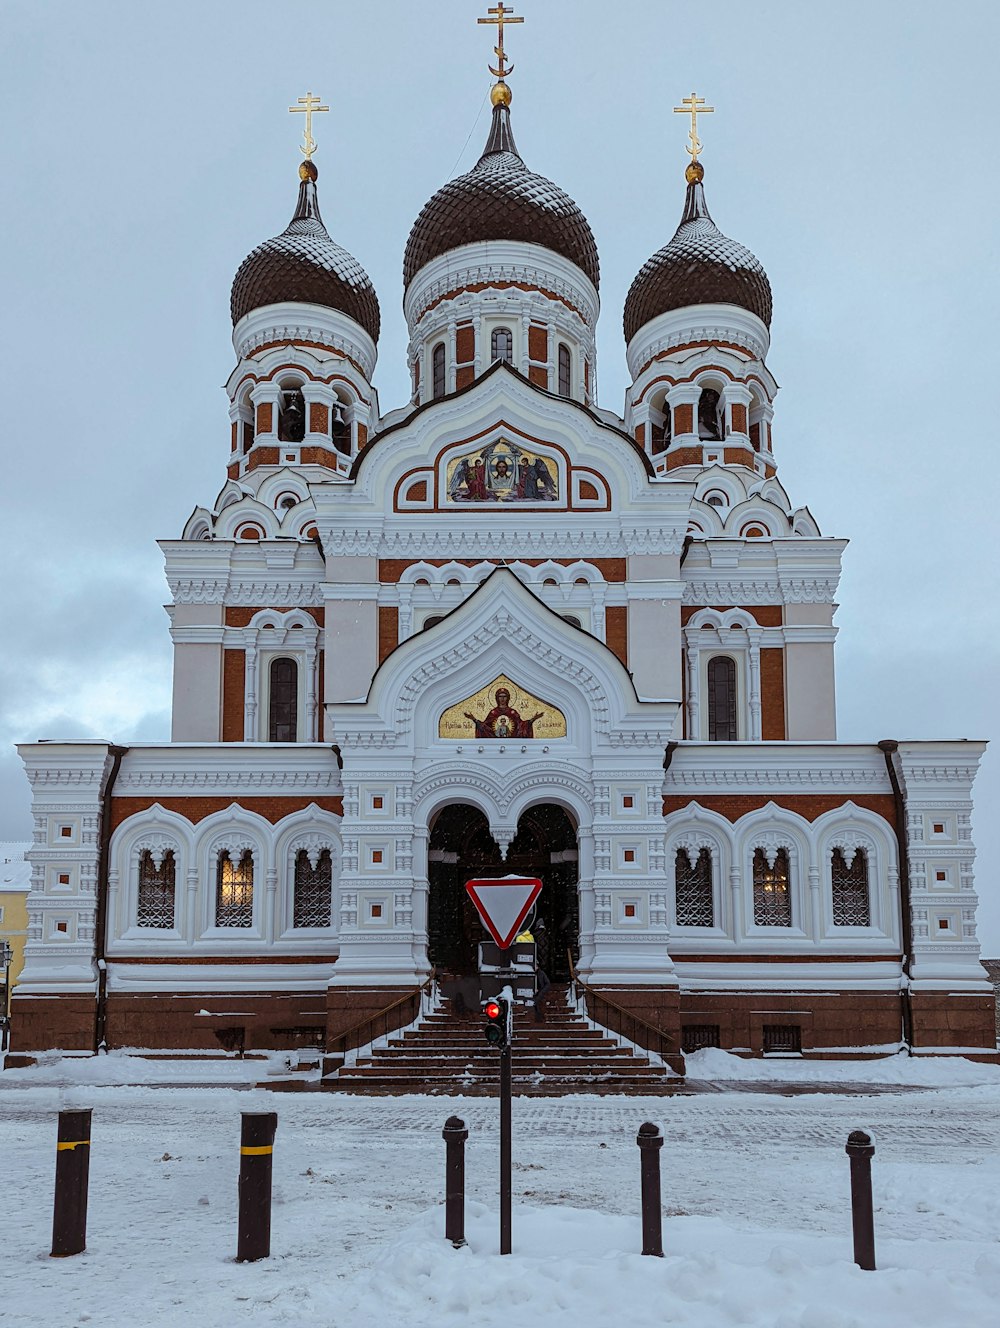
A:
[462,847]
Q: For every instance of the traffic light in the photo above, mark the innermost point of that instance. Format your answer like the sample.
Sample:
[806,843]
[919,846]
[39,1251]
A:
[497,1020]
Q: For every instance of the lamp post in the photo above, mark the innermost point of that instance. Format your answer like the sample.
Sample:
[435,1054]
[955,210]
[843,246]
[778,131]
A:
[6,956]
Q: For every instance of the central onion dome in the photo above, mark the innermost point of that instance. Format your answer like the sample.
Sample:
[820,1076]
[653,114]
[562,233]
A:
[500,199]
[700,265]
[303,265]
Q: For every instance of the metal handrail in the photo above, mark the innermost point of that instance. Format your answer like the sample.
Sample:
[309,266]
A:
[658,1036]
[368,1025]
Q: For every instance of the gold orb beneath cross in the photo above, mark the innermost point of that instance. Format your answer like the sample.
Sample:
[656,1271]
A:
[695,173]
[308,171]
[500,95]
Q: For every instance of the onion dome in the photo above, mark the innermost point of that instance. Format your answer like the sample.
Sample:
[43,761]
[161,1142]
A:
[303,265]
[500,199]
[700,265]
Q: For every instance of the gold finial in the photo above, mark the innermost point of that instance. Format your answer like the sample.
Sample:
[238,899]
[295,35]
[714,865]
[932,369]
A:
[308,106]
[693,106]
[500,15]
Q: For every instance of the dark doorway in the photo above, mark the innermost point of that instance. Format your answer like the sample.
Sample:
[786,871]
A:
[462,847]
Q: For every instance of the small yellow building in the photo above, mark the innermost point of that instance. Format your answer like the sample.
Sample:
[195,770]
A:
[15,881]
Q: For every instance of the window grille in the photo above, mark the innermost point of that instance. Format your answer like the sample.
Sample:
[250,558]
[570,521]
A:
[156,891]
[772,899]
[284,701]
[313,887]
[696,1036]
[782,1037]
[234,892]
[565,371]
[851,907]
[502,344]
[693,889]
[437,371]
[722,699]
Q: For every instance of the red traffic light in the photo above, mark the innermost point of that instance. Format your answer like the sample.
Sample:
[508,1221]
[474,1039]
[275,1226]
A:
[492,1010]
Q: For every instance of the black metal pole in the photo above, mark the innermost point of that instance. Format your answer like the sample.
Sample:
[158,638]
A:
[256,1151]
[505,1150]
[861,1150]
[69,1211]
[650,1142]
[454,1135]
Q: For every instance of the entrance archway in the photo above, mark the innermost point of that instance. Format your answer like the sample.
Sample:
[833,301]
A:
[461,847]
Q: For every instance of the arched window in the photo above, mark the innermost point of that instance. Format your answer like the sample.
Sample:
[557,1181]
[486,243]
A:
[772,899]
[156,891]
[437,371]
[312,891]
[693,889]
[433,620]
[565,371]
[572,619]
[722,699]
[502,344]
[292,417]
[234,891]
[660,434]
[340,430]
[283,701]
[851,905]
[709,415]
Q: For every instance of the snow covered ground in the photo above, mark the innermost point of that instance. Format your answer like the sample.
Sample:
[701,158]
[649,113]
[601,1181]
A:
[755,1188]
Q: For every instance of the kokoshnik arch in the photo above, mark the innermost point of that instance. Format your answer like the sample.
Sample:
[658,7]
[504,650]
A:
[499,627]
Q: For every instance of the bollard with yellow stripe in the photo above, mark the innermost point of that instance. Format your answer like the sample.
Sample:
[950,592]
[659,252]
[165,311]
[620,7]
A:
[256,1154]
[69,1208]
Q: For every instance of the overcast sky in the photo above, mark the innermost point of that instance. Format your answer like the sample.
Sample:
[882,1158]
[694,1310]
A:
[145,149]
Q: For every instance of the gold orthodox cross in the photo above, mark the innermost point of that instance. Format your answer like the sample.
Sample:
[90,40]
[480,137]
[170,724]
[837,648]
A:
[694,106]
[501,15]
[308,106]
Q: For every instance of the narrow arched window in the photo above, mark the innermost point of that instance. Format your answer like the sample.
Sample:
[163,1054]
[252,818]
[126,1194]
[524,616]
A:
[565,371]
[312,890]
[851,901]
[437,371]
[722,725]
[283,701]
[693,889]
[502,344]
[660,434]
[234,891]
[710,415]
[155,906]
[772,899]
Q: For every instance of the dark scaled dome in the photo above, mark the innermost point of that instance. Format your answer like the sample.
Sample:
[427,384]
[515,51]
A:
[303,265]
[500,199]
[700,265]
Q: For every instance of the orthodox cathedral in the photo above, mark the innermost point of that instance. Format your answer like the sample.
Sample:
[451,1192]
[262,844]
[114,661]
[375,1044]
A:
[501,629]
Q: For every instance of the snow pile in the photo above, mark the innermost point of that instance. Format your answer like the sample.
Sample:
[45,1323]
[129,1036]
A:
[573,1269]
[125,1066]
[711,1064]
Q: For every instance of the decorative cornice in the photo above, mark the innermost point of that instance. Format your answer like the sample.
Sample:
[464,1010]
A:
[262,594]
[761,590]
[492,541]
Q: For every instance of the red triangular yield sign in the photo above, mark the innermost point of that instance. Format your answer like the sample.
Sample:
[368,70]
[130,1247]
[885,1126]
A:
[503,903]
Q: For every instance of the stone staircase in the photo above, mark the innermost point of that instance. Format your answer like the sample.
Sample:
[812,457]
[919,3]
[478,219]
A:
[447,1053]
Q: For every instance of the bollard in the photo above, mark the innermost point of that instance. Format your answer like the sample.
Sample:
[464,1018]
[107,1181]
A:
[256,1150]
[860,1150]
[69,1212]
[650,1142]
[454,1135]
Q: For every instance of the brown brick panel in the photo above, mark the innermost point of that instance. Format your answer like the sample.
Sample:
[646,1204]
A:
[388,631]
[40,1024]
[390,570]
[684,456]
[737,456]
[684,418]
[767,615]
[808,805]
[538,343]
[464,376]
[465,344]
[234,664]
[739,417]
[262,456]
[264,414]
[755,436]
[538,375]
[197,808]
[269,1018]
[640,434]
[616,628]
[233,471]
[826,1019]
[240,617]
[951,1019]
[587,490]
[319,417]
[772,695]
[235,435]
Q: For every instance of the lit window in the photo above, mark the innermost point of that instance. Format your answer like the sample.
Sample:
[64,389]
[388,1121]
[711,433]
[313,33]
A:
[234,891]
[772,901]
